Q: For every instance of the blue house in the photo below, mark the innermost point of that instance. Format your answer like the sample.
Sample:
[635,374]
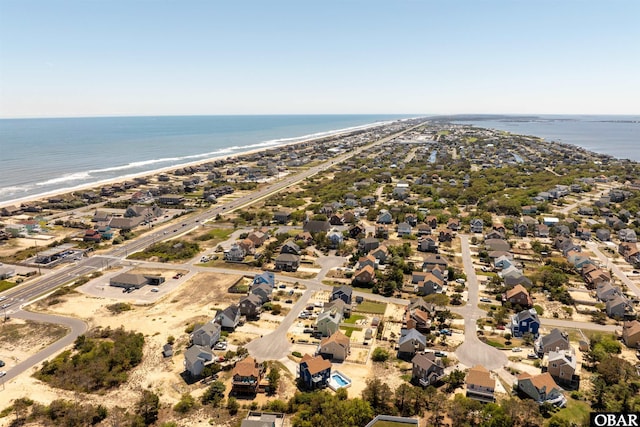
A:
[525,321]
[314,372]
[266,277]
[344,293]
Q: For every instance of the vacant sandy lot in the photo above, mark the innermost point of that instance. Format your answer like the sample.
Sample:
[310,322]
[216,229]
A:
[193,301]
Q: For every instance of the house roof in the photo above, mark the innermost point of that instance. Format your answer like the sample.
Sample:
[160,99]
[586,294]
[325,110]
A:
[516,290]
[288,258]
[345,289]
[338,338]
[253,299]
[246,368]
[425,360]
[631,328]
[480,376]
[412,335]
[553,336]
[209,328]
[196,352]
[129,279]
[315,364]
[541,382]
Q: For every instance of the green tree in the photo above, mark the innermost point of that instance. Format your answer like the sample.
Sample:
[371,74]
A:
[214,394]
[377,394]
[148,407]
[380,355]
[185,404]
[274,379]
[233,405]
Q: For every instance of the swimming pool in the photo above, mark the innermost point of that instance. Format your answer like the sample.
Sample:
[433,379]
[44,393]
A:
[339,380]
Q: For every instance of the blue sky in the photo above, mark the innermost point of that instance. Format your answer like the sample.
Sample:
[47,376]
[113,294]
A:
[91,58]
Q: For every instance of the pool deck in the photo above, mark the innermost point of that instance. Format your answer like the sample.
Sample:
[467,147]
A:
[334,385]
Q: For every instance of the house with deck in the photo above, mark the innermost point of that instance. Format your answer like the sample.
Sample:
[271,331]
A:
[314,372]
[480,385]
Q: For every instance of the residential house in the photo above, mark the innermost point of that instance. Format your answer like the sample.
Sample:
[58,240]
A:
[518,279]
[583,233]
[335,239]
[480,385]
[562,365]
[445,236]
[290,247]
[417,318]
[336,219]
[603,235]
[315,372]
[328,322]
[497,245]
[594,276]
[431,221]
[196,358]
[281,217]
[524,322]
[343,292]
[453,224]
[384,217]
[206,335]
[382,231]
[433,260]
[518,295]
[404,229]
[541,388]
[367,260]
[368,244]
[520,229]
[263,291]
[287,262]
[265,277]
[342,306]
[314,226]
[423,229]
[167,350]
[618,307]
[250,306]
[529,210]
[431,284]
[247,246]
[631,333]
[427,244]
[503,262]
[627,235]
[427,369]
[541,230]
[258,238]
[229,318]
[336,347]
[92,236]
[246,376]
[411,342]
[495,233]
[381,254]
[554,340]
[235,253]
[357,230]
[606,291]
[476,225]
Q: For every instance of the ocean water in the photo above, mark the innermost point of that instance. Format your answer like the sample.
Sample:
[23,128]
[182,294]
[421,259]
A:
[43,156]
[618,136]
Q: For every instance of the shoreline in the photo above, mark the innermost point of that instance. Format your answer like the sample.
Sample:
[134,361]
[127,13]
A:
[227,156]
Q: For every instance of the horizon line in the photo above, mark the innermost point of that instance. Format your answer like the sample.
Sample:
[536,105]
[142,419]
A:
[416,115]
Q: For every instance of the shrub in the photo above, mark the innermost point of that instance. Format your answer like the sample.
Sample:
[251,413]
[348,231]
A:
[296,354]
[186,403]
[380,355]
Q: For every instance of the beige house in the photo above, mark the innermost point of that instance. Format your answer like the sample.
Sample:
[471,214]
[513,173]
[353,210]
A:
[480,385]
[336,347]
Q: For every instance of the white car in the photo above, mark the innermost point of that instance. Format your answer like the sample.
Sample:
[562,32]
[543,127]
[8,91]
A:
[516,349]
[3,373]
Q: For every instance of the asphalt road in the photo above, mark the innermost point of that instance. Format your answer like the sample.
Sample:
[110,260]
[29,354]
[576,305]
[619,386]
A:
[76,328]
[473,351]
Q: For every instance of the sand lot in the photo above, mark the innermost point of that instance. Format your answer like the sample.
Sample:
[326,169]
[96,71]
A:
[195,300]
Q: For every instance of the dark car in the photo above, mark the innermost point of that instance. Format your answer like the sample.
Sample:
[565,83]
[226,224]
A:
[1,363]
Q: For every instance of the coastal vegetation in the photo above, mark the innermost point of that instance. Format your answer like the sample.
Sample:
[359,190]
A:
[98,361]
[173,250]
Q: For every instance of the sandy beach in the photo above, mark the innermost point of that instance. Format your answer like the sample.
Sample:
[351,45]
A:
[156,172]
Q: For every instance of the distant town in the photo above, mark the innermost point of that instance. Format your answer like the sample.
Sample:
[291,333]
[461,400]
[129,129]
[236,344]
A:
[418,273]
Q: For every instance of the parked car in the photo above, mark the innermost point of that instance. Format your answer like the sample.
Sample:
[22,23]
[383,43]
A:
[485,299]
[439,353]
[155,290]
[516,349]
[1,363]
[289,301]
[3,373]
[222,345]
[446,332]
[282,286]
[532,356]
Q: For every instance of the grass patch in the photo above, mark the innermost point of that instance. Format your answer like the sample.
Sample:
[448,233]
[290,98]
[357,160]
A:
[493,343]
[354,318]
[371,307]
[575,412]
[5,285]
[168,251]
[389,424]
[215,234]
[349,331]
[119,307]
[12,333]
